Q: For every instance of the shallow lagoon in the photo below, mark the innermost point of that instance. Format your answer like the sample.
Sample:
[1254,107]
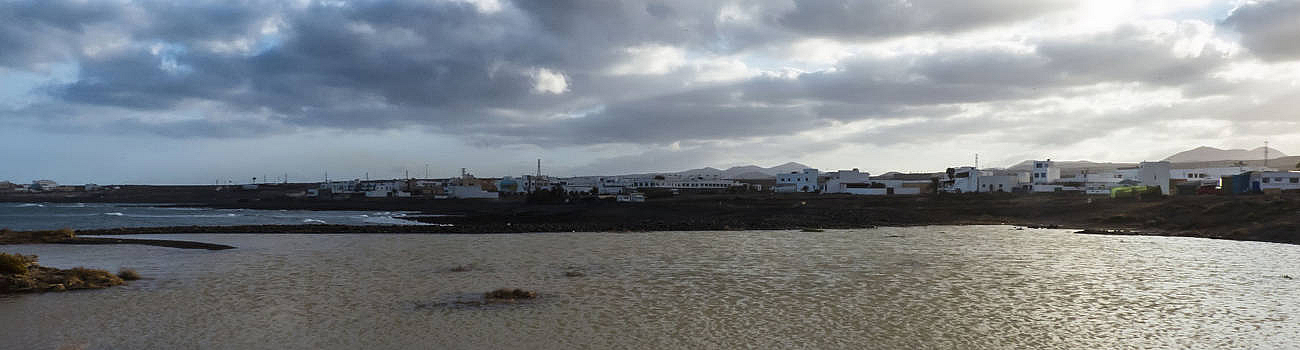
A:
[926,287]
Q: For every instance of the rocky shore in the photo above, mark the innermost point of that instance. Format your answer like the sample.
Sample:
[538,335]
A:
[1271,218]
[21,274]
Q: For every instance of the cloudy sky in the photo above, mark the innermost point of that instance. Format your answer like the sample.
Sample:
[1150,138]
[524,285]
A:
[118,91]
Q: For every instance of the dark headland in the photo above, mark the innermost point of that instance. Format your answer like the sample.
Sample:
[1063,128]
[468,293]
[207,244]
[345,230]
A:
[1270,218]
[67,236]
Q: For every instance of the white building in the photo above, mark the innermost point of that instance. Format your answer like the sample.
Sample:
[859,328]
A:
[1098,183]
[385,189]
[1276,180]
[634,197]
[1155,174]
[998,183]
[626,184]
[960,180]
[1045,172]
[840,181]
[1211,175]
[805,181]
[43,185]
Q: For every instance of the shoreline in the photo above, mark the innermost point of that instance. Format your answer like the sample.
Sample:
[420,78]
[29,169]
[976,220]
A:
[1266,218]
[68,236]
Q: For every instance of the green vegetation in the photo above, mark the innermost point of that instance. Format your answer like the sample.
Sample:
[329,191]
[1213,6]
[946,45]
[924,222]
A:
[21,274]
[8,236]
[15,263]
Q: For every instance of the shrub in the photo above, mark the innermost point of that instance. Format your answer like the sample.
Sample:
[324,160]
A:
[15,263]
[66,232]
[90,278]
[128,274]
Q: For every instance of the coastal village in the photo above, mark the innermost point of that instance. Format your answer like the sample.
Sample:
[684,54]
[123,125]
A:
[1116,180]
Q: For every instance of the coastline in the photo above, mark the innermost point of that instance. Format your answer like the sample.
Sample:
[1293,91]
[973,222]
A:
[1267,218]
[68,236]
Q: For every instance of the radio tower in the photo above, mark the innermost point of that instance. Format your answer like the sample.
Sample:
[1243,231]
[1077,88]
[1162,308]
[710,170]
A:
[1265,153]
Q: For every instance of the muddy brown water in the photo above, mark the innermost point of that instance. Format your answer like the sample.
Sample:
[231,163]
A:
[920,287]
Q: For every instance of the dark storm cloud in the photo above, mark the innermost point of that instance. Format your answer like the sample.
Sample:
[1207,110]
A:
[1269,28]
[267,67]
[36,32]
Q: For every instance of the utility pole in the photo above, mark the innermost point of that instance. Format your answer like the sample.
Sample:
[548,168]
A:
[426,170]
[1265,153]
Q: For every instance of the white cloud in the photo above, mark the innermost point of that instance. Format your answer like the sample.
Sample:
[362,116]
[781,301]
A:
[546,81]
[651,59]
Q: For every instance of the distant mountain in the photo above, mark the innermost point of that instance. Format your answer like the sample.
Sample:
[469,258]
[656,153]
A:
[786,168]
[1210,154]
[747,172]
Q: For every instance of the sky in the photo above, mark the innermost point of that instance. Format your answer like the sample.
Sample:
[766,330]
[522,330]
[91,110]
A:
[177,92]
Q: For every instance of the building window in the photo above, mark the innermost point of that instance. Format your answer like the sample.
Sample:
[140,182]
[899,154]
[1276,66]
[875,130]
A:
[1295,180]
[1266,180]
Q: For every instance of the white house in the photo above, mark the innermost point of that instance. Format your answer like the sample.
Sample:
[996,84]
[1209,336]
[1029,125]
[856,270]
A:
[1211,175]
[1155,174]
[43,185]
[385,189]
[960,180]
[840,181]
[805,181]
[1045,172]
[998,183]
[1276,180]
[1098,183]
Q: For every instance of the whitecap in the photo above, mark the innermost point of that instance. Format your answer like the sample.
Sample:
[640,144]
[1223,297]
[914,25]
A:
[386,220]
[313,221]
[29,205]
[114,214]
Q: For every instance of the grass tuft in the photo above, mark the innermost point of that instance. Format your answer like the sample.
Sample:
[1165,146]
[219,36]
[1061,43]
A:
[16,264]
